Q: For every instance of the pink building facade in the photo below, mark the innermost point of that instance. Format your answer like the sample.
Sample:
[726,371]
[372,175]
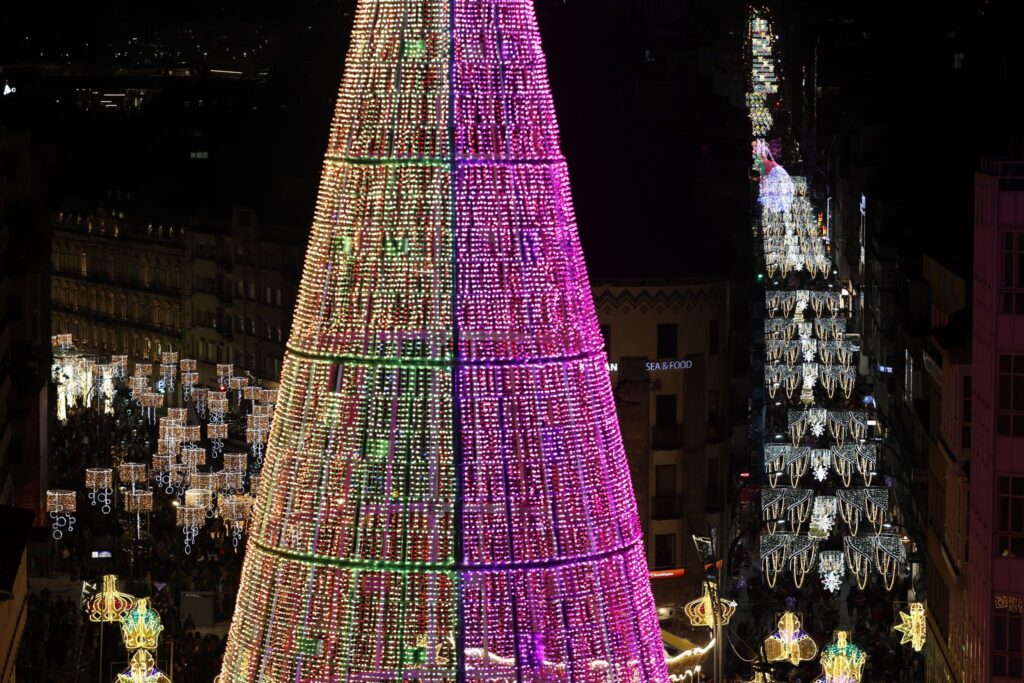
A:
[995,615]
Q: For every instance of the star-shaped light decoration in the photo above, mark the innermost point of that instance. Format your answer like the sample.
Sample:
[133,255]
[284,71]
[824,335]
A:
[913,626]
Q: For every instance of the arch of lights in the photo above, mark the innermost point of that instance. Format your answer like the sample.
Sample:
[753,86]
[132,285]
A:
[824,507]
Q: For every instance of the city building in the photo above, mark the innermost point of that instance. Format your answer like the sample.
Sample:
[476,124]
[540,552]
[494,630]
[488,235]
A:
[940,413]
[24,320]
[668,360]
[995,593]
[245,281]
[217,290]
[120,285]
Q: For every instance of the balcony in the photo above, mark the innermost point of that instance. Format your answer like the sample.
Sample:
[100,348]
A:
[667,437]
[665,507]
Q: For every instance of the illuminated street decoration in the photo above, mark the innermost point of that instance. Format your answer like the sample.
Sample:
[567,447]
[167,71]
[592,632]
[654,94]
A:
[142,669]
[913,626]
[191,518]
[702,611]
[831,569]
[842,661]
[141,626]
[61,504]
[790,643]
[445,494]
[109,605]
[100,482]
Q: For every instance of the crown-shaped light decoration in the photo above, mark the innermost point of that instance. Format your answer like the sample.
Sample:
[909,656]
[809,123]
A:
[702,610]
[141,627]
[842,661]
[790,643]
[912,626]
[110,605]
[142,669]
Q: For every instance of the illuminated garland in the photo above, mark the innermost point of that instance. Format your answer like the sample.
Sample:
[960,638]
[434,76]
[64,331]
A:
[445,494]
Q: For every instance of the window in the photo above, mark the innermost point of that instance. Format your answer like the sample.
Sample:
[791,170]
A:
[1010,516]
[665,410]
[668,340]
[239,288]
[267,296]
[277,296]
[664,551]
[1008,643]
[83,264]
[252,291]
[665,481]
[1010,416]
[714,337]
[1013,273]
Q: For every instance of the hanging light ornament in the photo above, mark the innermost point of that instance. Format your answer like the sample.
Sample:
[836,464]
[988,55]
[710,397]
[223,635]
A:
[141,626]
[191,519]
[790,643]
[776,189]
[142,669]
[831,569]
[842,661]
[189,377]
[109,605]
[100,482]
[138,503]
[61,504]
[913,626]
[235,511]
[702,611]
[199,399]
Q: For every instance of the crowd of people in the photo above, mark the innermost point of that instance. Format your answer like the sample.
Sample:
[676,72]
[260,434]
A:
[149,560]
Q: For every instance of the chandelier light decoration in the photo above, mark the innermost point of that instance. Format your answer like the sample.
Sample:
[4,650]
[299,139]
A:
[913,627]
[100,482]
[191,518]
[61,505]
[445,495]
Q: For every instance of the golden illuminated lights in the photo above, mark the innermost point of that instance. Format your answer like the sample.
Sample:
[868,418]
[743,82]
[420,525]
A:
[109,604]
[702,610]
[790,643]
[913,627]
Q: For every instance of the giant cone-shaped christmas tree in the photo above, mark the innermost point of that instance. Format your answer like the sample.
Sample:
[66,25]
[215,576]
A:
[445,495]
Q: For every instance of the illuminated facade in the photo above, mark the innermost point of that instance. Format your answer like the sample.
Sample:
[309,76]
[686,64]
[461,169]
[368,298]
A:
[219,290]
[445,495]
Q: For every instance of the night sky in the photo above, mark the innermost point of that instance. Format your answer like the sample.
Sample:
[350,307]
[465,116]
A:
[649,95]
